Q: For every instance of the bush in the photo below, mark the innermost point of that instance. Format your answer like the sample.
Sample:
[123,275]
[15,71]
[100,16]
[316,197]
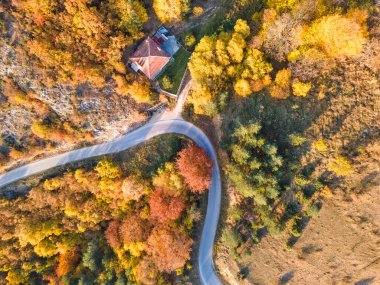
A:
[301,89]
[197,10]
[166,83]
[320,145]
[341,166]
[189,40]
[312,211]
[231,238]
[296,140]
[242,87]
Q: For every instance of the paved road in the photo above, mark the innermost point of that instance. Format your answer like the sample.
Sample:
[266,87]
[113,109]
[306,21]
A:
[148,131]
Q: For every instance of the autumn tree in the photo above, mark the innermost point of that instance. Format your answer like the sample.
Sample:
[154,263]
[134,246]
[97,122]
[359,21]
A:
[338,35]
[168,248]
[280,89]
[165,208]
[169,180]
[112,234]
[301,89]
[67,262]
[133,229]
[195,166]
[170,11]
[242,87]
[281,36]
[133,189]
[131,15]
[147,272]
[281,5]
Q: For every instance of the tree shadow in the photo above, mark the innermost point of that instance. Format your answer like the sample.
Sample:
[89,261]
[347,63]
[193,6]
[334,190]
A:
[366,281]
[284,279]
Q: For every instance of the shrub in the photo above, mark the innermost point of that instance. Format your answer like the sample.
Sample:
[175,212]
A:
[341,166]
[296,140]
[300,89]
[320,145]
[197,10]
[190,40]
[166,82]
[107,169]
[312,211]
[231,238]
[242,87]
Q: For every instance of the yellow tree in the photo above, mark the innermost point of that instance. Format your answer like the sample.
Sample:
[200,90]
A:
[242,87]
[338,35]
[170,10]
[132,15]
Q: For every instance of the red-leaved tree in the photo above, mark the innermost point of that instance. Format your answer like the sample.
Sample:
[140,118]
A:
[165,208]
[195,166]
[112,234]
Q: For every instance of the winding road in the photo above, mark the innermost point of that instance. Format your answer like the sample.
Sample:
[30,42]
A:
[164,125]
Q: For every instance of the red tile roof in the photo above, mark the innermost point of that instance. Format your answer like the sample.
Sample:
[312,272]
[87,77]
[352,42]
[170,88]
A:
[150,58]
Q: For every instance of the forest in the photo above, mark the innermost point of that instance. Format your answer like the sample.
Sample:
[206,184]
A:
[287,90]
[121,220]
[287,84]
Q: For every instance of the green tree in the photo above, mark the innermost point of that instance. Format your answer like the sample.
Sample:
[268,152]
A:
[91,256]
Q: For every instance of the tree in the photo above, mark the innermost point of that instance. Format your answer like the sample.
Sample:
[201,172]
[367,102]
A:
[195,166]
[140,91]
[168,248]
[236,47]
[133,229]
[165,208]
[301,89]
[282,36]
[170,10]
[107,169]
[166,83]
[112,234]
[91,256]
[281,87]
[198,10]
[281,5]
[46,248]
[189,39]
[34,232]
[146,272]
[67,262]
[132,189]
[169,180]
[132,15]
[242,87]
[296,139]
[241,27]
[337,35]
[257,68]
[341,166]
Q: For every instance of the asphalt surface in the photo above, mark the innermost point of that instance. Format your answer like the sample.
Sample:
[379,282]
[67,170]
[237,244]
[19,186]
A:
[148,131]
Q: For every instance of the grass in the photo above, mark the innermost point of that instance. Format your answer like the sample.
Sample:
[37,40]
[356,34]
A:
[176,70]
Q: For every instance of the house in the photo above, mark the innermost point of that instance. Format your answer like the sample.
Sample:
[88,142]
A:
[154,53]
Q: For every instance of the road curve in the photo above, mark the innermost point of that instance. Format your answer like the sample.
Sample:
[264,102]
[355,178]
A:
[148,131]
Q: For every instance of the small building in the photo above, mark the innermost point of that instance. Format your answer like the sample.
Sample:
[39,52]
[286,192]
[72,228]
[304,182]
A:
[154,53]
